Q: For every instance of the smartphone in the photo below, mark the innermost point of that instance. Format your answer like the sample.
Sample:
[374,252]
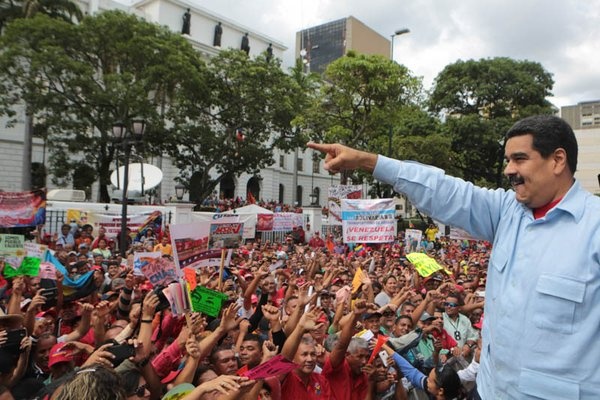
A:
[49,293]
[13,340]
[163,303]
[384,357]
[121,352]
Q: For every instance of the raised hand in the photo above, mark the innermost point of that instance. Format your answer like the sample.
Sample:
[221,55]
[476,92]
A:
[192,348]
[150,303]
[269,350]
[100,356]
[270,312]
[339,158]
[230,320]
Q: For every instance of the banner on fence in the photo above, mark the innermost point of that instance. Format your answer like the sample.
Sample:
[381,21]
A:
[22,209]
[369,221]
[249,221]
[334,201]
[285,222]
[137,222]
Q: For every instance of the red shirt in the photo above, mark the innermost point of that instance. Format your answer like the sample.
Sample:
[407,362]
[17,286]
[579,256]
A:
[293,388]
[344,384]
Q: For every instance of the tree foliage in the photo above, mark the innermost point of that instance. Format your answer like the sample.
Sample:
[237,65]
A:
[360,100]
[480,100]
[80,79]
[224,119]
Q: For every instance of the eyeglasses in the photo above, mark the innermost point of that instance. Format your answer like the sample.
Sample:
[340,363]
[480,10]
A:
[139,392]
[449,304]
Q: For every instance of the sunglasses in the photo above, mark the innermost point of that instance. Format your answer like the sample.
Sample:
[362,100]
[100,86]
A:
[449,304]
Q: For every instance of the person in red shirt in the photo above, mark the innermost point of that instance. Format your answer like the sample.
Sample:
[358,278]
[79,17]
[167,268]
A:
[316,242]
[303,382]
[344,367]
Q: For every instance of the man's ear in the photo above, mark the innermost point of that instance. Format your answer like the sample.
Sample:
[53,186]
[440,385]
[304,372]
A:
[560,161]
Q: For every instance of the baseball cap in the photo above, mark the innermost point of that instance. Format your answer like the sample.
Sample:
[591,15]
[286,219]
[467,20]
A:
[371,315]
[59,354]
[426,316]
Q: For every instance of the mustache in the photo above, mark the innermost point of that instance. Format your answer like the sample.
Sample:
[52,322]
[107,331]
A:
[516,179]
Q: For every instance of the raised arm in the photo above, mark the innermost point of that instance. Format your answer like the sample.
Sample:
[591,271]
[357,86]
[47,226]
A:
[336,357]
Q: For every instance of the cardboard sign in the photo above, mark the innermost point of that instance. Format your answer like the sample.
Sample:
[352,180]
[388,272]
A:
[424,264]
[207,301]
[275,366]
[30,266]
[47,271]
[157,269]
[225,235]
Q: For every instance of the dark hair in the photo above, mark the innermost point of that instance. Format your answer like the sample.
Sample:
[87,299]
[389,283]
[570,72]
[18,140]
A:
[130,380]
[253,337]
[408,317]
[549,133]
[447,379]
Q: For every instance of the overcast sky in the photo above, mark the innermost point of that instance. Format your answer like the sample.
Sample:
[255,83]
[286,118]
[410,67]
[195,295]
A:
[563,35]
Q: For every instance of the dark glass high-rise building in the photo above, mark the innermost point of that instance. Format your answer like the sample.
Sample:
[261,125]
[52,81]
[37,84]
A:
[320,45]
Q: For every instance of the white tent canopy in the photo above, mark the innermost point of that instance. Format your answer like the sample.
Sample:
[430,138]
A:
[249,209]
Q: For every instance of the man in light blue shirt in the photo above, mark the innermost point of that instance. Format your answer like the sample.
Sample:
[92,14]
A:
[542,313]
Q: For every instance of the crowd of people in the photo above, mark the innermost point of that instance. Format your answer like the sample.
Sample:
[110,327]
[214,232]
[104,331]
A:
[357,322]
[295,298]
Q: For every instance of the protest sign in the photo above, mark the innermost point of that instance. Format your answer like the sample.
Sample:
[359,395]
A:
[178,296]
[424,264]
[159,270]
[334,201]
[368,221]
[47,271]
[357,280]
[412,240]
[225,235]
[189,275]
[190,243]
[35,250]
[460,234]
[12,249]
[22,209]
[276,366]
[29,267]
[207,301]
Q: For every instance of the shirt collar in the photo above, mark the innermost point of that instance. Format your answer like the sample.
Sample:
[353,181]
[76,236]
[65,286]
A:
[573,202]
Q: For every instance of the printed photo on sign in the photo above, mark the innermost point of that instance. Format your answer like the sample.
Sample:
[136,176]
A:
[334,201]
[225,235]
[190,242]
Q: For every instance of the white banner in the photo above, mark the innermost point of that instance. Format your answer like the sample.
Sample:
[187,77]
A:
[336,194]
[369,221]
[189,242]
[285,222]
[249,221]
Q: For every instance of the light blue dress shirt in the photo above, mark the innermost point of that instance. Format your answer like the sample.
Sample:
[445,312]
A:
[541,334]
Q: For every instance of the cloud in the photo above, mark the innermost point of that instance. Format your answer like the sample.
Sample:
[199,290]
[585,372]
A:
[562,35]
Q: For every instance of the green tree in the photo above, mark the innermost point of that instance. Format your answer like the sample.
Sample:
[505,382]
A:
[480,100]
[360,102]
[80,79]
[10,10]
[224,119]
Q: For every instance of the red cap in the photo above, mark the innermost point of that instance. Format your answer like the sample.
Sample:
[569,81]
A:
[97,268]
[58,354]
[479,324]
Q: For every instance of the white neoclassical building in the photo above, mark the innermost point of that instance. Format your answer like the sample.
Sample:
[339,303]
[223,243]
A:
[274,183]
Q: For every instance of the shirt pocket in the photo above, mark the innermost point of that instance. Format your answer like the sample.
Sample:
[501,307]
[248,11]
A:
[556,298]
[545,386]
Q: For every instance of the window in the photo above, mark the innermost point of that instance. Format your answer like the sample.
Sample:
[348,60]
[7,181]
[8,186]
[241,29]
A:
[316,166]
[300,164]
[281,161]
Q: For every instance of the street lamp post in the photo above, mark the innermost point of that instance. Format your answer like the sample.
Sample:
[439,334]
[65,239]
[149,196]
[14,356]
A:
[397,33]
[127,138]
